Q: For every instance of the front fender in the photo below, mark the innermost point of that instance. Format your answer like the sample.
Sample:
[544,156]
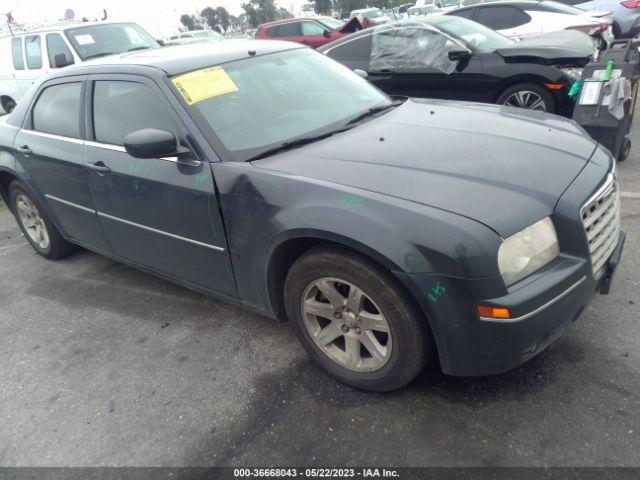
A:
[262,209]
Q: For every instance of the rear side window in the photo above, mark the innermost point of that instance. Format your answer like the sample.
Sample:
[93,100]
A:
[497,18]
[34,52]
[468,13]
[57,110]
[289,30]
[121,107]
[16,50]
[56,46]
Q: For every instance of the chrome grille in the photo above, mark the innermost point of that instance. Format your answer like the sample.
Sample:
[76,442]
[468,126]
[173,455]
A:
[601,220]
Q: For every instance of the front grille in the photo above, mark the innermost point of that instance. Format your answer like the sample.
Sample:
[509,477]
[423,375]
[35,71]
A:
[601,220]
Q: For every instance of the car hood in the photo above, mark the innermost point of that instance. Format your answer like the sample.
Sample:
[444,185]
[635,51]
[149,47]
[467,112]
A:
[563,47]
[501,166]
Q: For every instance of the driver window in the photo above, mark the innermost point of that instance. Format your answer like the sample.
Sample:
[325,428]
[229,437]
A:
[121,107]
[411,49]
[311,28]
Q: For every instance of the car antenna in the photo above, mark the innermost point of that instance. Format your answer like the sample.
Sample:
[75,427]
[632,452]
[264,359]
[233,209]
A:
[252,53]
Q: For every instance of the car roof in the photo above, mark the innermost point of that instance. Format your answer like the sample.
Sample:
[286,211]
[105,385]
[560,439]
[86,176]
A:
[289,20]
[60,26]
[510,3]
[179,59]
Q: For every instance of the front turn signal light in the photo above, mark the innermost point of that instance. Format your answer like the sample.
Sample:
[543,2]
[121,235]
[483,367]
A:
[493,312]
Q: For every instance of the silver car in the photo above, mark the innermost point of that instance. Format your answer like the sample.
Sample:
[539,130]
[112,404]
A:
[626,14]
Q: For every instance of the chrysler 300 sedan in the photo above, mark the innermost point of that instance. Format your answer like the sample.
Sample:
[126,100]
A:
[388,231]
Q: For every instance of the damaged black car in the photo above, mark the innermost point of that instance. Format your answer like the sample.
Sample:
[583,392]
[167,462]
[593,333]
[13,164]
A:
[454,58]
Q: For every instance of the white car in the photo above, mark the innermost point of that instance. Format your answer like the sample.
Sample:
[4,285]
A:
[27,55]
[369,17]
[424,11]
[525,18]
[195,36]
[445,5]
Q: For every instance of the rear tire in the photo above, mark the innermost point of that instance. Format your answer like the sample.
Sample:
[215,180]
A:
[36,225]
[529,96]
[365,311]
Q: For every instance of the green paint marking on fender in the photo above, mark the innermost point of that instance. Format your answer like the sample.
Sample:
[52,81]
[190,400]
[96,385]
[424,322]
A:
[200,179]
[351,200]
[437,292]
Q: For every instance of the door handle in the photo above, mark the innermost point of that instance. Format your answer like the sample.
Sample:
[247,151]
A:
[24,149]
[98,167]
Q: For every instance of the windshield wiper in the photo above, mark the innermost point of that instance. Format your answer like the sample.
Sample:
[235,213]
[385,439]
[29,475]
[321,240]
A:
[373,111]
[138,48]
[295,144]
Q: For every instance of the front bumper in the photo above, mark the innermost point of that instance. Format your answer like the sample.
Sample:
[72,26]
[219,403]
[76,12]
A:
[543,307]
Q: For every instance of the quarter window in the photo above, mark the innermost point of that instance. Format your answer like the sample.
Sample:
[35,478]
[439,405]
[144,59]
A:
[354,50]
[56,46]
[16,50]
[120,108]
[34,52]
[57,110]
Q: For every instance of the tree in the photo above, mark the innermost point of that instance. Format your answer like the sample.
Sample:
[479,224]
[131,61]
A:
[224,19]
[283,13]
[260,11]
[211,17]
[190,22]
[323,7]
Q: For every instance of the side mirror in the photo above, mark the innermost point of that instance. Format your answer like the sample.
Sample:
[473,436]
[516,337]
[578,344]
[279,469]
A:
[160,42]
[151,143]
[459,54]
[60,60]
[361,73]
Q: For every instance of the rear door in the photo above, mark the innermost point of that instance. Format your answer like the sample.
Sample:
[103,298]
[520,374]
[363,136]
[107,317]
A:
[49,149]
[160,213]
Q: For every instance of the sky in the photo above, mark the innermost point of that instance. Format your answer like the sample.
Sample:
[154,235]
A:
[159,17]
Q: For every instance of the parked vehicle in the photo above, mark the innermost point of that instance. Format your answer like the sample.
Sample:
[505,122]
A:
[311,31]
[626,14]
[424,11]
[526,18]
[281,181]
[195,36]
[445,5]
[453,58]
[369,17]
[29,55]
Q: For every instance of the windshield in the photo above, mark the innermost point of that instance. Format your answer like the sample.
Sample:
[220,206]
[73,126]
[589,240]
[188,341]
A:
[449,3]
[373,14]
[279,98]
[331,23]
[109,38]
[209,35]
[478,37]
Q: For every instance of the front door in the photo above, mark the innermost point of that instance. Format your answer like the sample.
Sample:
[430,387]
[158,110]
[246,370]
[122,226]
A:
[160,213]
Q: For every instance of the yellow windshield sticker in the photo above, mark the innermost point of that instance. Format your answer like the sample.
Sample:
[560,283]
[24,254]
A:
[205,83]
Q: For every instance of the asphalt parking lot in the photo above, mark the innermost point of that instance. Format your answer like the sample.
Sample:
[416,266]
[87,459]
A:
[104,365]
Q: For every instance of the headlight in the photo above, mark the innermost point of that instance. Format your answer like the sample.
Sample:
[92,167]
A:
[574,73]
[527,251]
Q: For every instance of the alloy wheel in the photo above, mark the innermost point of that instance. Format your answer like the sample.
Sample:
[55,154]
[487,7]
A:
[346,324]
[526,99]
[32,221]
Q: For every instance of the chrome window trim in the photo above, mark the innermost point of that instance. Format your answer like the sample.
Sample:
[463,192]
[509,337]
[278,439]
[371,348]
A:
[71,204]
[539,309]
[161,232]
[53,136]
[105,146]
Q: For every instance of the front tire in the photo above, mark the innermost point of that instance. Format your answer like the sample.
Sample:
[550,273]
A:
[355,320]
[528,96]
[36,225]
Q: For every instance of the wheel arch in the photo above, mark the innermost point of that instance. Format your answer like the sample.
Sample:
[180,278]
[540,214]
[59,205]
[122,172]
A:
[509,82]
[295,244]
[6,178]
